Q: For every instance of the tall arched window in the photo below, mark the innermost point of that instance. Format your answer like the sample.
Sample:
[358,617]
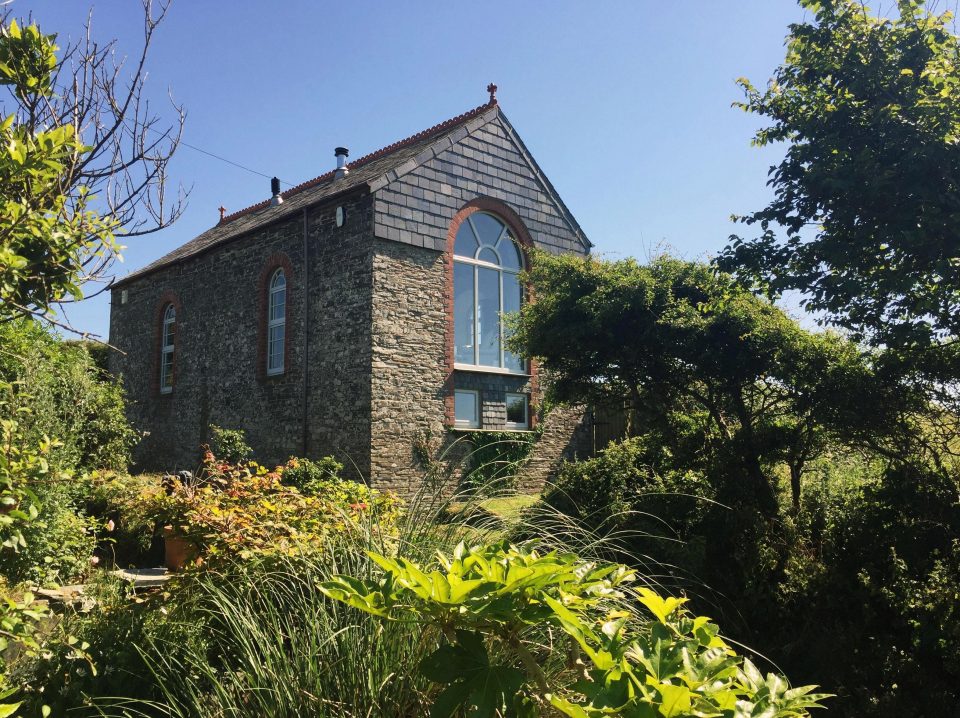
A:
[486,263]
[167,341]
[276,322]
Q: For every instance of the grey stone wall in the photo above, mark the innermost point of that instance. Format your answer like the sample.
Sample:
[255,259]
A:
[216,358]
[339,373]
[412,216]
[409,381]
[218,377]
[409,329]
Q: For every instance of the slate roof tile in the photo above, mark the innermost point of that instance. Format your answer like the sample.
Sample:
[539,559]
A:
[369,168]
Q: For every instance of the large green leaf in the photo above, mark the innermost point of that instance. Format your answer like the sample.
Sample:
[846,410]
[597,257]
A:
[484,690]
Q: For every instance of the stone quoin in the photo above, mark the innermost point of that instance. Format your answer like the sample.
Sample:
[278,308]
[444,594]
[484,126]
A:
[356,315]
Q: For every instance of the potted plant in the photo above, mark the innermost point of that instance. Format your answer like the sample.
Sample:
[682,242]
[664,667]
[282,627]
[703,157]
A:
[173,510]
[178,551]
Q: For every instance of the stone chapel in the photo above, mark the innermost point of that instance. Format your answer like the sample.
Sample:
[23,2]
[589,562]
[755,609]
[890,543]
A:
[358,315]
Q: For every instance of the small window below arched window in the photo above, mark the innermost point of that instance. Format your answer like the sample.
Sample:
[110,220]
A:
[167,348]
[276,322]
[486,285]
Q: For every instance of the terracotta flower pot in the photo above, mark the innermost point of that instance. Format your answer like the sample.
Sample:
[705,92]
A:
[177,551]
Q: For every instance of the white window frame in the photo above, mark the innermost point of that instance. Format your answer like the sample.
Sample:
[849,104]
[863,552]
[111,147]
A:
[167,347]
[272,292]
[476,264]
[525,424]
[475,422]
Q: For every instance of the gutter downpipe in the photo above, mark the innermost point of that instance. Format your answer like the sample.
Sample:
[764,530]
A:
[306,329]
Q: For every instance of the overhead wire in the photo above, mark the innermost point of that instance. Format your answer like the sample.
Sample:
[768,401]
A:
[231,162]
[221,158]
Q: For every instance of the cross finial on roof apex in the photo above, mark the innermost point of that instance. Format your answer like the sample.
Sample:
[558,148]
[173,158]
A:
[492,89]
[223,211]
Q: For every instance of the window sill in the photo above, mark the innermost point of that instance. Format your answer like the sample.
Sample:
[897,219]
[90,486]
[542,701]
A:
[476,368]
[504,430]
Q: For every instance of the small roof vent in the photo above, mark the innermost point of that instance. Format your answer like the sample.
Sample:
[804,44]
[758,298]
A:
[275,198]
[341,154]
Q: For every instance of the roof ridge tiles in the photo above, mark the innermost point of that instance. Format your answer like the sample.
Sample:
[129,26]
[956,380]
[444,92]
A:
[377,154]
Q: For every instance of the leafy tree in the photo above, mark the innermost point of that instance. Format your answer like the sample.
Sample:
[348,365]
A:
[869,190]
[721,383]
[83,160]
[714,372]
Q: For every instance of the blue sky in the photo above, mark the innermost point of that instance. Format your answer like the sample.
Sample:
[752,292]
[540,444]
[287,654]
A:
[625,105]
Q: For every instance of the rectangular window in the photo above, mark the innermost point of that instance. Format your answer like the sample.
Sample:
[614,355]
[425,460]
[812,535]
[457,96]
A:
[463,319]
[166,370]
[512,299]
[467,408]
[278,307]
[275,349]
[488,317]
[517,411]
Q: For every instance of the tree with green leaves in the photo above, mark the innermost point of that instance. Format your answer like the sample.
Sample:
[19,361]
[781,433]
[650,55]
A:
[716,373]
[865,219]
[83,160]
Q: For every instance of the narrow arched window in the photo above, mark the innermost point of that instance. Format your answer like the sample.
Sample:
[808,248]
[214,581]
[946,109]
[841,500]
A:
[167,343]
[486,286]
[276,322]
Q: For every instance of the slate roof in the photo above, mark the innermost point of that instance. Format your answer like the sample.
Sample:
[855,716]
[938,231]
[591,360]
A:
[373,170]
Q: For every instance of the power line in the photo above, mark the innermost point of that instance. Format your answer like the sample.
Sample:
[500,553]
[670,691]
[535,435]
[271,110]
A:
[218,157]
[230,162]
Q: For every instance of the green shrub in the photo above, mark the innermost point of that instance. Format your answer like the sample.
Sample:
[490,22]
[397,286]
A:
[114,635]
[312,477]
[248,637]
[865,567]
[496,457]
[126,505]
[60,392]
[493,607]
[245,510]
[627,489]
[878,577]
[59,546]
[230,445]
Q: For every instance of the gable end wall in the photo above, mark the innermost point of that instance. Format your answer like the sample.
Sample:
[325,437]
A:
[411,297]
[417,207]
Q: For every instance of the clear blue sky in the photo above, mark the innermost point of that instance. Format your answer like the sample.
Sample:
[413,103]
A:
[625,105]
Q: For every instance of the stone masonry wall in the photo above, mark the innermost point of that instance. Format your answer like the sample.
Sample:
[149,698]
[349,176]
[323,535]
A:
[340,335]
[409,380]
[409,326]
[219,377]
[412,218]
[366,376]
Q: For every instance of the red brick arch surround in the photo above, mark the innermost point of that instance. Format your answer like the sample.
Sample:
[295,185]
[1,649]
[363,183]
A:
[166,299]
[276,261]
[505,213]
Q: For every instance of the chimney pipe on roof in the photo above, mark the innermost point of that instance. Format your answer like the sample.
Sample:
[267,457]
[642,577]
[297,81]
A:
[341,154]
[275,191]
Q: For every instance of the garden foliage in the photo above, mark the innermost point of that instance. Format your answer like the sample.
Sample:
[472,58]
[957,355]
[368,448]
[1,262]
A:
[245,509]
[60,391]
[866,567]
[495,607]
